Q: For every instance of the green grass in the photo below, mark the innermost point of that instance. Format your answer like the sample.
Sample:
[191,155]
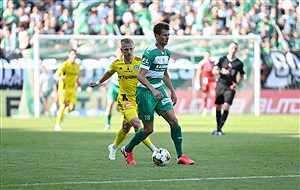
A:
[256,153]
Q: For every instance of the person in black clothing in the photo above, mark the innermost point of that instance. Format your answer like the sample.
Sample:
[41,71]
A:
[226,68]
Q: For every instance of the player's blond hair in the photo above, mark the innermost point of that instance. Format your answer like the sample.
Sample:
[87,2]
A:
[126,41]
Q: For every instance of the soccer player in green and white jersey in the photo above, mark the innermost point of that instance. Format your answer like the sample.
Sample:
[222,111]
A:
[127,70]
[151,96]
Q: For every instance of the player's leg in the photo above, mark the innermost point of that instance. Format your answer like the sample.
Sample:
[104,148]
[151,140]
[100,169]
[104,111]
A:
[71,103]
[120,137]
[108,111]
[131,116]
[176,136]
[166,110]
[112,94]
[62,105]
[219,102]
[228,98]
[146,104]
[204,103]
[212,95]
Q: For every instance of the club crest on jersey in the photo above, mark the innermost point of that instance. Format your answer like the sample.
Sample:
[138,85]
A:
[136,67]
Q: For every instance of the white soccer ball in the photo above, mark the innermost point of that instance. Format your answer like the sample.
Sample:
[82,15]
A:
[161,157]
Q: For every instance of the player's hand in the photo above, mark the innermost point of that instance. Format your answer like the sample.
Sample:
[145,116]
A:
[225,71]
[173,98]
[93,84]
[233,85]
[157,94]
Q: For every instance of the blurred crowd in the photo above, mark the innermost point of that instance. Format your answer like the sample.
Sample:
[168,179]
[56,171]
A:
[278,25]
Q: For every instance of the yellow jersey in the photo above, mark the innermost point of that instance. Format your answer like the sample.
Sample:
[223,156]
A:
[127,77]
[71,71]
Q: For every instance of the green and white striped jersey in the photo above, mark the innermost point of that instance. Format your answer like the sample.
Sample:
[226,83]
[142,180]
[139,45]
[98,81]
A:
[156,62]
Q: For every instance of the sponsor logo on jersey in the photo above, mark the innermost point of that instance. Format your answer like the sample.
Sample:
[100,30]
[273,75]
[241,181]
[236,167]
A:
[128,77]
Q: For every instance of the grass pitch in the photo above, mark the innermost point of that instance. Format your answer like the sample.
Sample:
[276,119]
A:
[256,153]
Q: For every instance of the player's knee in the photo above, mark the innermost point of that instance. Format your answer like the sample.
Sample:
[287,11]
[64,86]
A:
[173,122]
[147,131]
[126,126]
[136,123]
[71,107]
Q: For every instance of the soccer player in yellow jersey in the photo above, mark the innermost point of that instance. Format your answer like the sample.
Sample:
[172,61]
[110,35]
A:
[67,75]
[127,69]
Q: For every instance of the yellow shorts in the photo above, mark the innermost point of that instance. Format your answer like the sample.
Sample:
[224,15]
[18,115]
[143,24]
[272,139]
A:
[67,97]
[128,109]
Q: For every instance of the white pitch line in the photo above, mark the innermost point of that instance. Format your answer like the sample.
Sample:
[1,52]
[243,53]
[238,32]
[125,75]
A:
[150,180]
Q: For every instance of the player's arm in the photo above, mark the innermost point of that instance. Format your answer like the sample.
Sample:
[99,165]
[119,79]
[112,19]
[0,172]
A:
[240,80]
[105,77]
[59,76]
[142,78]
[169,84]
[77,81]
[216,70]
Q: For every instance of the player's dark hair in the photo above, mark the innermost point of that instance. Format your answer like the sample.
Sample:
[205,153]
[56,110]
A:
[73,50]
[157,29]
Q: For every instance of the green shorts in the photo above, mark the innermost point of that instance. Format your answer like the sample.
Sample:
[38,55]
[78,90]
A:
[113,91]
[147,103]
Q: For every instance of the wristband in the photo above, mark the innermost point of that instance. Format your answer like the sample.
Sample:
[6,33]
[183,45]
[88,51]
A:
[97,82]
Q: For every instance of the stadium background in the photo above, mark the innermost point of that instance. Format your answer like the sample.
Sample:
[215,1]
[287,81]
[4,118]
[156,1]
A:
[275,21]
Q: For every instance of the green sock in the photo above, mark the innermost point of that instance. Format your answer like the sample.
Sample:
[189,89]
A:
[138,137]
[108,119]
[177,139]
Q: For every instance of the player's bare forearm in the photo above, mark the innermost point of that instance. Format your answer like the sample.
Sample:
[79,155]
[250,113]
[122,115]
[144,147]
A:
[168,82]
[142,78]
[105,77]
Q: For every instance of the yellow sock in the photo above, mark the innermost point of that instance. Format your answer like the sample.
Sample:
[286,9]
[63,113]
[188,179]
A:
[121,135]
[59,115]
[148,142]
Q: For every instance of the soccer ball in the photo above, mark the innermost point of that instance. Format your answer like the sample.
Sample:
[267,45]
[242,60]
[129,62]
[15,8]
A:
[161,157]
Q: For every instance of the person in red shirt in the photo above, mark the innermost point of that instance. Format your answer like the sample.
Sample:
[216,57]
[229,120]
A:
[207,83]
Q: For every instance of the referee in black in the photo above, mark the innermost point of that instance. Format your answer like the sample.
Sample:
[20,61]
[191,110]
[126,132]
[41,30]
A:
[226,70]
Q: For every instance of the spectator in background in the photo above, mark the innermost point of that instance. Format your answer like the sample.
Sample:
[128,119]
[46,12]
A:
[47,28]
[121,7]
[93,20]
[23,17]
[102,11]
[65,18]
[23,37]
[185,17]
[35,14]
